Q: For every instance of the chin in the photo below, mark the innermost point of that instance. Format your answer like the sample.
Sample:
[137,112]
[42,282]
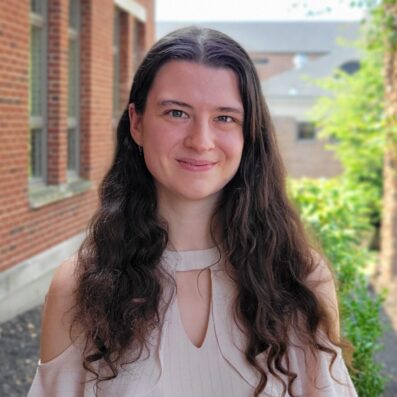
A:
[192,195]
[189,191]
[198,197]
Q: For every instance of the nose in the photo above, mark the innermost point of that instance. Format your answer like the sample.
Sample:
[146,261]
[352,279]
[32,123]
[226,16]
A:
[200,137]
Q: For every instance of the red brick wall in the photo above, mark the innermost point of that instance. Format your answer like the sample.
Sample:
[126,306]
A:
[25,231]
[14,126]
[304,158]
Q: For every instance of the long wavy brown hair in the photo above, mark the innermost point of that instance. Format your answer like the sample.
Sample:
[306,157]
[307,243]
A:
[261,236]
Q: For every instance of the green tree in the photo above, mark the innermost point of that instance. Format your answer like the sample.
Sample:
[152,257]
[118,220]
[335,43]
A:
[341,211]
[353,118]
[339,220]
[388,268]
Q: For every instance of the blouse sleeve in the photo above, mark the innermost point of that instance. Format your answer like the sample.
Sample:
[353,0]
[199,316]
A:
[317,377]
[62,376]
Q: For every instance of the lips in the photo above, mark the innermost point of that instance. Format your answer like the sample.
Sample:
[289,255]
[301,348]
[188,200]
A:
[196,162]
[196,165]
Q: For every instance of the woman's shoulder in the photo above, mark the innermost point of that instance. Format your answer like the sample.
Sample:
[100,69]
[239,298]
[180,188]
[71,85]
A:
[58,311]
[64,280]
[321,271]
[321,281]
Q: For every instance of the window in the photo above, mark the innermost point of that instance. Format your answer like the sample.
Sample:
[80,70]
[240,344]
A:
[37,92]
[116,63]
[73,89]
[350,67]
[306,131]
[300,60]
[137,43]
[261,61]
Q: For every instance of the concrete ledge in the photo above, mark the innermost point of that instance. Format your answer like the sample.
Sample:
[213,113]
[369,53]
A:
[24,286]
[43,195]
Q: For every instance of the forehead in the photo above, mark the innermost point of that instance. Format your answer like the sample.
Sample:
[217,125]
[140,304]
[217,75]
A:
[196,83]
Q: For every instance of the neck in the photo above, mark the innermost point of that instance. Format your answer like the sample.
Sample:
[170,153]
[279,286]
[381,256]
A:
[188,223]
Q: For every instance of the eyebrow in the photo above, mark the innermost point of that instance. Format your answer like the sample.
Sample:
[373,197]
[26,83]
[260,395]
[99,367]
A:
[167,102]
[226,109]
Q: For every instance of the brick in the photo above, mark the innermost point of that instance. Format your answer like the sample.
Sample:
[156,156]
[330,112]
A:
[23,231]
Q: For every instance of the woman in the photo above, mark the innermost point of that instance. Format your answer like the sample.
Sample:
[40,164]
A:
[195,278]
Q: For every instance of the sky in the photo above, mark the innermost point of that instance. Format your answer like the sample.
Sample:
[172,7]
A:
[254,10]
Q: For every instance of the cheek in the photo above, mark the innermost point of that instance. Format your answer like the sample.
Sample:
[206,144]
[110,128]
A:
[233,148]
[159,137]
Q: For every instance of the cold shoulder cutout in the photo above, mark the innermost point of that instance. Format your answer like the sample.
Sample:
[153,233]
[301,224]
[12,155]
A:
[322,282]
[58,312]
[63,375]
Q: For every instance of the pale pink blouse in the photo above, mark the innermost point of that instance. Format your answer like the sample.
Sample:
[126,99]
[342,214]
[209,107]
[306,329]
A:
[174,367]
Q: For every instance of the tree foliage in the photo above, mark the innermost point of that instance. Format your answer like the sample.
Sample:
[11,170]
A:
[342,210]
[353,118]
[338,217]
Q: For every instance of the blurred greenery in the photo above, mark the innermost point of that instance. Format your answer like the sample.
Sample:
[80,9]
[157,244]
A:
[353,118]
[339,218]
[343,212]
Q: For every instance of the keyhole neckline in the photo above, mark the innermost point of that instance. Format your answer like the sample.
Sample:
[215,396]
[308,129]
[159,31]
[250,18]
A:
[192,259]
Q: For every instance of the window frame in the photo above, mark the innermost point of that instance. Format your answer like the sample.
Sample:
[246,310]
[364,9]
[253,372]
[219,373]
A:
[74,122]
[299,137]
[116,59]
[39,122]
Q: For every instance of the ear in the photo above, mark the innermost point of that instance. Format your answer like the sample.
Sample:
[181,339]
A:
[135,124]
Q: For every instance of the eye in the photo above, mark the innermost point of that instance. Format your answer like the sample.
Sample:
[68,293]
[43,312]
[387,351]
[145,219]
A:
[226,119]
[176,113]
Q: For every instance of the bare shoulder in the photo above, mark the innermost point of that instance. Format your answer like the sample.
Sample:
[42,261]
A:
[58,311]
[321,273]
[322,282]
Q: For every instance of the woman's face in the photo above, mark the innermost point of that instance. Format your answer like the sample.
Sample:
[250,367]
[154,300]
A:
[191,130]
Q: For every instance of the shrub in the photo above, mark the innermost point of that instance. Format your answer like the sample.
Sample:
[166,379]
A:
[337,214]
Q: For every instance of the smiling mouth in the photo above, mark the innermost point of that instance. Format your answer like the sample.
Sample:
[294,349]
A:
[196,162]
[196,165]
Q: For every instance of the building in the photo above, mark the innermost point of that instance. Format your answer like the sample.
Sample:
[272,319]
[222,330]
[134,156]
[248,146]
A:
[286,54]
[290,96]
[66,67]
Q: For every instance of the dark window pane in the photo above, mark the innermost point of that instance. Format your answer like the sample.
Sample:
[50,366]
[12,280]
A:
[73,14]
[36,140]
[72,158]
[350,67]
[36,70]
[262,61]
[37,6]
[306,131]
[72,77]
